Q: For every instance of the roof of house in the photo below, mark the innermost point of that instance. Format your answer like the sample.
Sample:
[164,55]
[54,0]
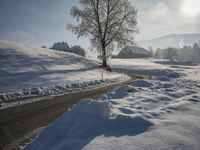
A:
[136,50]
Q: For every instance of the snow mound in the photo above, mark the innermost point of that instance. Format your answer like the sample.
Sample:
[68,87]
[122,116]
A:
[85,121]
[142,83]
[88,107]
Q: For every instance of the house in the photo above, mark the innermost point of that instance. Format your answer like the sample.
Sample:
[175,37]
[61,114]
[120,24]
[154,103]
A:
[133,52]
[63,46]
[77,50]
[60,46]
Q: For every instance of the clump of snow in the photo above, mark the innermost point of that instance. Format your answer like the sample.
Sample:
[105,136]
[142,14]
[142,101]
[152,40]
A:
[142,83]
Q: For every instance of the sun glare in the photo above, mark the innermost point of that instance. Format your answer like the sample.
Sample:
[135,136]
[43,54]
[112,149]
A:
[191,7]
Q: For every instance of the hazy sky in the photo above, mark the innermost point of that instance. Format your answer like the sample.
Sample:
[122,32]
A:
[42,22]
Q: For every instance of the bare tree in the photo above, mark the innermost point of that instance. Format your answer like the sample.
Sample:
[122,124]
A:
[196,52]
[170,53]
[108,23]
[151,51]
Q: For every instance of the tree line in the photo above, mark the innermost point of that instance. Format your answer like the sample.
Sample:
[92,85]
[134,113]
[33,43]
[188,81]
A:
[187,53]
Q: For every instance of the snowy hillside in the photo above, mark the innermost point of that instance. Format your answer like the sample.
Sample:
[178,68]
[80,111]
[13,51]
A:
[27,72]
[159,114]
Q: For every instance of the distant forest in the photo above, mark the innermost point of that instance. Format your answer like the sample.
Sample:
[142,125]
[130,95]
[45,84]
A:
[187,53]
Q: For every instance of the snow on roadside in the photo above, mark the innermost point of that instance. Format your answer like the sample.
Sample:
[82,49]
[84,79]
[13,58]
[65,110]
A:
[29,95]
[161,113]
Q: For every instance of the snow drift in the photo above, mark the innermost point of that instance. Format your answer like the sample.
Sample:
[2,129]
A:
[85,121]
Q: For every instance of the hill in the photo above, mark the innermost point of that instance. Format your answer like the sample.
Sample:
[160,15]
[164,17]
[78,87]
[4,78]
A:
[27,71]
[172,40]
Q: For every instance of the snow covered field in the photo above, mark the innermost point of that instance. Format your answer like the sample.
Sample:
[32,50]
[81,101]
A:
[29,73]
[161,113]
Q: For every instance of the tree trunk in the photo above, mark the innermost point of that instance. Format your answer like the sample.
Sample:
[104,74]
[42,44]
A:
[104,59]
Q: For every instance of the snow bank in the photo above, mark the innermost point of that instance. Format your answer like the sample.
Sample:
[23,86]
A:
[29,95]
[85,121]
[22,95]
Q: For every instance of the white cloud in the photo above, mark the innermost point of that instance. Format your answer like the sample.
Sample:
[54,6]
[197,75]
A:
[159,11]
[161,17]
[20,36]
